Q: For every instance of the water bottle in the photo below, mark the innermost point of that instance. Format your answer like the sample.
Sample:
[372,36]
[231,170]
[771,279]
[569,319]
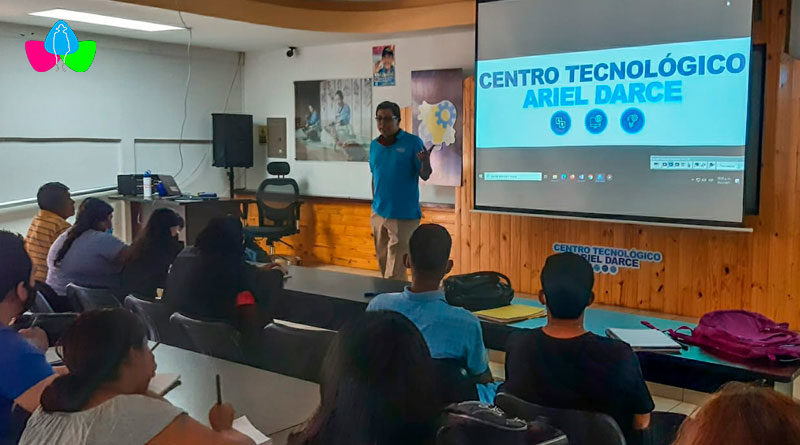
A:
[147,184]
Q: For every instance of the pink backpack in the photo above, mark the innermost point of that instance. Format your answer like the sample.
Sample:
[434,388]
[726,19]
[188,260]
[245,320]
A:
[742,335]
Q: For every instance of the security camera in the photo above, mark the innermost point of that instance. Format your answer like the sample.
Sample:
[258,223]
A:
[291,52]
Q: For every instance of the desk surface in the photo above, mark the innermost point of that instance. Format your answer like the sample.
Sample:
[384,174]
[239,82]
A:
[157,199]
[344,286]
[598,320]
[273,402]
[350,288]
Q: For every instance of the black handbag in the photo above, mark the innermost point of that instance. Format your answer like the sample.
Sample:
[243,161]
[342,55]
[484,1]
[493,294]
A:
[478,290]
[469,423]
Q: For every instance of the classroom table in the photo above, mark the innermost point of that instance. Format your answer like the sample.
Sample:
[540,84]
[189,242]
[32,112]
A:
[329,299]
[273,402]
[195,213]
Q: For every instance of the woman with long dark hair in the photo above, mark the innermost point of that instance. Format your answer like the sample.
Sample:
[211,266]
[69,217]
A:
[212,281]
[377,387]
[147,261]
[104,397]
[87,254]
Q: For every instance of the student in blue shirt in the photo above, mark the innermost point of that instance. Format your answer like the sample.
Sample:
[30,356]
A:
[397,160]
[450,332]
[24,372]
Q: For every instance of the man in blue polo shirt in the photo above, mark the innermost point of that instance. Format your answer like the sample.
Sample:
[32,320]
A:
[397,161]
[24,372]
[450,332]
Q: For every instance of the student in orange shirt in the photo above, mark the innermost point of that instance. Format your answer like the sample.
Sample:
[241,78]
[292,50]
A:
[55,206]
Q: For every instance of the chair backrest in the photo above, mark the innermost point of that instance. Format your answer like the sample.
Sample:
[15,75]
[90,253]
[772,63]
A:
[581,427]
[278,168]
[53,324]
[41,305]
[294,351]
[278,202]
[454,380]
[155,316]
[214,338]
[88,299]
[59,303]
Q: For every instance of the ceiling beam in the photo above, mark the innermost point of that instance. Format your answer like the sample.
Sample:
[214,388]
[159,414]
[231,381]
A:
[401,19]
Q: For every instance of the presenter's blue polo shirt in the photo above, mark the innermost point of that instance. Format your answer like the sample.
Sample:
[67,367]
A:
[395,177]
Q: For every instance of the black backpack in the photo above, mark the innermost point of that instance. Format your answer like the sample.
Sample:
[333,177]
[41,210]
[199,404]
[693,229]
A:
[478,290]
[469,423]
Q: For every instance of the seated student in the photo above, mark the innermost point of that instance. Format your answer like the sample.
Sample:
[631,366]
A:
[147,261]
[375,387]
[55,206]
[104,398]
[24,372]
[87,254]
[212,281]
[742,414]
[451,332]
[564,366]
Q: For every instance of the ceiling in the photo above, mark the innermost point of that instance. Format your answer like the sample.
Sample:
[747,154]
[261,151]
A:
[360,5]
[211,32]
[351,16]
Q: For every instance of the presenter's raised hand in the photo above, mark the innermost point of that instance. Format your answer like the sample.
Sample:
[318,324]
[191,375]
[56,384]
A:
[424,157]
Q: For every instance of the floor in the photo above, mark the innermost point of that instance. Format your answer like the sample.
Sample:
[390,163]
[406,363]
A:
[666,398]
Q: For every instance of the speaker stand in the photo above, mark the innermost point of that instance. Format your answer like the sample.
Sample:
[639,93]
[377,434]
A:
[230,180]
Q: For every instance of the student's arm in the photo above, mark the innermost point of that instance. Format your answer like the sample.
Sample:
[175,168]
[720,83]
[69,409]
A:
[29,400]
[185,430]
[641,421]
[477,356]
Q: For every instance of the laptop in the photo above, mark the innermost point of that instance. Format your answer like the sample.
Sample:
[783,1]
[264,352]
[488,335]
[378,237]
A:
[170,185]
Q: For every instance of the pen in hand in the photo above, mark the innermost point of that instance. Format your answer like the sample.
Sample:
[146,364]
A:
[219,392]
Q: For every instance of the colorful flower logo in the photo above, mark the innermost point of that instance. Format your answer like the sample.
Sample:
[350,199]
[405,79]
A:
[61,44]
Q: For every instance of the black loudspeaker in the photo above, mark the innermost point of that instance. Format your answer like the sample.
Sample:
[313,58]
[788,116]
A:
[233,140]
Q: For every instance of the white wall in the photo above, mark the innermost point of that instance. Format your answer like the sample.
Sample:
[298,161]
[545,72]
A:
[269,92]
[134,90]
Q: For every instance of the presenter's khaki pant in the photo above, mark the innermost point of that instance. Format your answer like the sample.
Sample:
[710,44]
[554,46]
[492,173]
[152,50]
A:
[391,243]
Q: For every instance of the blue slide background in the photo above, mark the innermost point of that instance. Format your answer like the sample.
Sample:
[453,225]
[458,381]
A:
[712,112]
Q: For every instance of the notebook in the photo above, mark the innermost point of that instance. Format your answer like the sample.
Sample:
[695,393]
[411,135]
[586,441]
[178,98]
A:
[511,313]
[163,383]
[243,425]
[645,339]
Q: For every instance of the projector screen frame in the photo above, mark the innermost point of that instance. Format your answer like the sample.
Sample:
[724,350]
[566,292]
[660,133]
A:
[751,186]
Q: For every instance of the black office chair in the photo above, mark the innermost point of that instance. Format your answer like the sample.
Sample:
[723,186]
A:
[278,202]
[156,317]
[41,305]
[58,303]
[214,338]
[88,299]
[53,324]
[581,427]
[456,383]
[294,351]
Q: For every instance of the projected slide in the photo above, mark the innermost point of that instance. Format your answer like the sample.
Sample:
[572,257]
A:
[642,115]
[682,94]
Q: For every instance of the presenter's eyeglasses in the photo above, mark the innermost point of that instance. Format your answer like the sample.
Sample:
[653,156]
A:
[385,119]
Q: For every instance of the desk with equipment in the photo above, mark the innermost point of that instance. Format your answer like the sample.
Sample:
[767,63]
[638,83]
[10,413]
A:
[196,211]
[329,299]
